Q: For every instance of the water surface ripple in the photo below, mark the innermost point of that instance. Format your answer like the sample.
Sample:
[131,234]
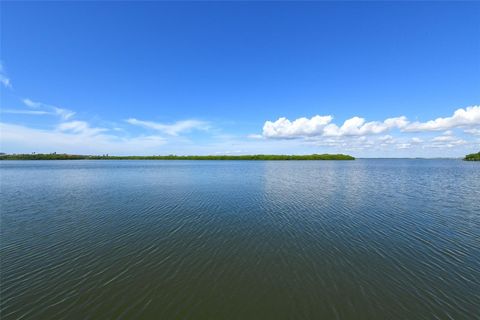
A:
[364,239]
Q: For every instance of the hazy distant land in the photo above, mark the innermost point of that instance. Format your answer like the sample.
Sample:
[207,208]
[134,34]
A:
[63,156]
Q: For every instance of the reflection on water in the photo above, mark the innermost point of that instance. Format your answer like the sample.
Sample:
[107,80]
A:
[373,239]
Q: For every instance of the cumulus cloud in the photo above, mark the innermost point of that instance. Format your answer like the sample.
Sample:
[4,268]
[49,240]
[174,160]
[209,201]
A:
[322,126]
[173,129]
[302,127]
[469,116]
[358,136]
[357,126]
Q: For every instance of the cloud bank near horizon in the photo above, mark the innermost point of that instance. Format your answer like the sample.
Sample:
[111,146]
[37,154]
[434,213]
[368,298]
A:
[460,133]
[322,126]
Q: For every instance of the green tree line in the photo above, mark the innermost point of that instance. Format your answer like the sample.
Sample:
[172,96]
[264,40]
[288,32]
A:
[57,156]
[473,157]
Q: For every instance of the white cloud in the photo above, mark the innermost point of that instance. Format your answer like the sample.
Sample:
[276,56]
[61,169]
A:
[255,136]
[403,145]
[173,129]
[318,134]
[357,136]
[31,104]
[63,113]
[302,127]
[443,139]
[469,116]
[48,109]
[75,138]
[322,126]
[79,127]
[387,139]
[475,132]
[27,112]
[357,126]
[4,80]
[416,140]
[446,140]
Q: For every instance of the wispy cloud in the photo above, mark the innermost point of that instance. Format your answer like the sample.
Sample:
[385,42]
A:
[47,109]
[32,104]
[27,112]
[4,79]
[173,129]
[76,138]
[79,127]
[416,140]
[474,131]
[255,136]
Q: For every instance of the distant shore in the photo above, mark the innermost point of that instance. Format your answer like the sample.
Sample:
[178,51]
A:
[63,156]
[472,157]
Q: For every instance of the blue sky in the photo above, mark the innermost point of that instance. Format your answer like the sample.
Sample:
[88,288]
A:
[389,79]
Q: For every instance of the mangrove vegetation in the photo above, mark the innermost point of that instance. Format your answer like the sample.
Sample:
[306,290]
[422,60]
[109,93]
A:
[57,156]
[472,157]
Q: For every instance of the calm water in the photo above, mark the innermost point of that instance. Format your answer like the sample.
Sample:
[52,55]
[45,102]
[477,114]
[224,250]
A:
[364,239]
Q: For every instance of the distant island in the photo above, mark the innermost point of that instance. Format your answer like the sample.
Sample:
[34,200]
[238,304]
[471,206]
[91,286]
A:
[64,156]
[472,157]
